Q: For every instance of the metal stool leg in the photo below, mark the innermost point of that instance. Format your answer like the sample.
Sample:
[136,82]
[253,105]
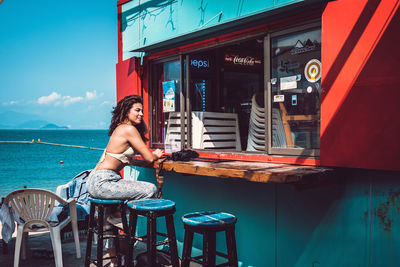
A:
[117,249]
[209,249]
[131,238]
[151,240]
[231,246]
[127,233]
[100,224]
[90,236]
[169,220]
[187,248]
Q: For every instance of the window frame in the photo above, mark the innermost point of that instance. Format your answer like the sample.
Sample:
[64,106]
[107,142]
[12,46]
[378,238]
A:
[153,109]
[267,93]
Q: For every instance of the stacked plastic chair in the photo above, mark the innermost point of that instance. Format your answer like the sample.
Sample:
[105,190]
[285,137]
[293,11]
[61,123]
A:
[256,137]
[278,130]
[210,130]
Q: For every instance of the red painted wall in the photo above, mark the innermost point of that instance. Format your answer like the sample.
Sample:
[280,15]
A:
[128,78]
[360,125]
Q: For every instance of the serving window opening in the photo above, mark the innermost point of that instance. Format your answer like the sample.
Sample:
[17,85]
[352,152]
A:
[260,95]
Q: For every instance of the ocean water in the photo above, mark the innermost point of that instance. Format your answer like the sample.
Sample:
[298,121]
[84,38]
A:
[37,165]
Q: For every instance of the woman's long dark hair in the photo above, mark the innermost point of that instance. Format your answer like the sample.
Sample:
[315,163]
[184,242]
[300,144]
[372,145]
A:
[120,113]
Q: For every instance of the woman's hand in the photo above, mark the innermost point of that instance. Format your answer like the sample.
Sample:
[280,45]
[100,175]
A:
[158,153]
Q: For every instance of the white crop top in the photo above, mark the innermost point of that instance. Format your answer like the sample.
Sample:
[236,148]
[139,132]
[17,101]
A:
[125,157]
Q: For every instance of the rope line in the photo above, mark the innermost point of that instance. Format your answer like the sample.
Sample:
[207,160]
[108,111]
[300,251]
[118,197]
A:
[19,142]
[52,144]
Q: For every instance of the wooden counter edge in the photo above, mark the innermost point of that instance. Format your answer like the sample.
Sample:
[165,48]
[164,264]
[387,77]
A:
[295,174]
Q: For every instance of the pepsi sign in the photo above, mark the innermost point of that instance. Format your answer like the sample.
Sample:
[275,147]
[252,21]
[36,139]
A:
[199,64]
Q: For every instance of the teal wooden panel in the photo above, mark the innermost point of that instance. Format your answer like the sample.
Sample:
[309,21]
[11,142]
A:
[385,220]
[130,21]
[324,226]
[158,23]
[147,22]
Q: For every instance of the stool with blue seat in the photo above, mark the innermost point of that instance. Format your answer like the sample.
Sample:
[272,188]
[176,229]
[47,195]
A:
[208,224]
[152,209]
[98,228]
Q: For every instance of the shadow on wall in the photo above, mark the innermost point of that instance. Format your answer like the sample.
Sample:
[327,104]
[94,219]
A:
[362,131]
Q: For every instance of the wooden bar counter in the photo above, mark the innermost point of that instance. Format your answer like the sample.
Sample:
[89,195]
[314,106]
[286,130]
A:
[252,171]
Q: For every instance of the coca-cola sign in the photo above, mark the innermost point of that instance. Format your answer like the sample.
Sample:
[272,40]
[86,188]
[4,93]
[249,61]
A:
[242,60]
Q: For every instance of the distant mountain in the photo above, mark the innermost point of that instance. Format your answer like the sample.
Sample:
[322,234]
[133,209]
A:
[18,120]
[32,124]
[53,126]
[12,118]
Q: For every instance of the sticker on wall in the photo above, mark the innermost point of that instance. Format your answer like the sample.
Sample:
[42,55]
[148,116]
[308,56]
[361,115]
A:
[309,89]
[289,82]
[168,96]
[312,71]
[279,98]
[294,100]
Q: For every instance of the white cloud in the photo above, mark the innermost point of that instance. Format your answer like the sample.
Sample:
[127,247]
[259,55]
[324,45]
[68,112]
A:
[58,99]
[91,95]
[48,99]
[69,100]
[10,103]
[107,103]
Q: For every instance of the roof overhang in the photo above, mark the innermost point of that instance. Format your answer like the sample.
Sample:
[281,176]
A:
[235,25]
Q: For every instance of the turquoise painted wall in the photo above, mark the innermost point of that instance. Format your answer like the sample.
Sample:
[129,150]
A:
[351,220]
[146,22]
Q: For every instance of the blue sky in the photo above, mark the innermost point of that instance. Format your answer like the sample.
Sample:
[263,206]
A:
[57,60]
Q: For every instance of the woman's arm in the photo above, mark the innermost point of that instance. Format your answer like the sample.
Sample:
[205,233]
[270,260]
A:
[136,141]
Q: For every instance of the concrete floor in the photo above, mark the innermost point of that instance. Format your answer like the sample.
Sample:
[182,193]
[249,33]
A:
[42,242]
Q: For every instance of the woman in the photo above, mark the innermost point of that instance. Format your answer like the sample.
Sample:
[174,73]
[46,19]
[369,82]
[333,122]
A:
[127,138]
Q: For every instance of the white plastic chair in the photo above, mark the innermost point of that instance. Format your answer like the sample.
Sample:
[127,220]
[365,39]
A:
[210,130]
[34,207]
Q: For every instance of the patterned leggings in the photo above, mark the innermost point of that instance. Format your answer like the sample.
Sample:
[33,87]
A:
[108,184]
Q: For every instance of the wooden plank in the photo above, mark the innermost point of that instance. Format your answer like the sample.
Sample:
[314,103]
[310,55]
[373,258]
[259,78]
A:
[250,171]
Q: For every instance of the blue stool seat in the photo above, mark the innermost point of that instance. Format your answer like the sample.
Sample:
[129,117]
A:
[207,224]
[208,219]
[105,201]
[152,204]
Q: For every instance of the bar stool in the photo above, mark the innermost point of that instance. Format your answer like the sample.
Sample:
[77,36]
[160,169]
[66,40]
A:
[98,228]
[208,224]
[152,209]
